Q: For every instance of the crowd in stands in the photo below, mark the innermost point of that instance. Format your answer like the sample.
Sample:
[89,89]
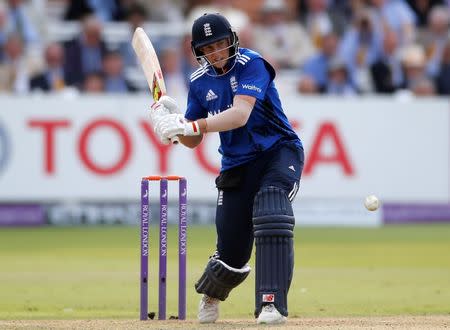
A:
[337,47]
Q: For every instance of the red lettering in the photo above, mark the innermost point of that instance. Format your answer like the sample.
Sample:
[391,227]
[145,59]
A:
[162,149]
[49,127]
[328,132]
[84,142]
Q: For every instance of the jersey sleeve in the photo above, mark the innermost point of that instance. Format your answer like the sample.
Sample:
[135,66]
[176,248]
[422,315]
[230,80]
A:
[254,79]
[194,109]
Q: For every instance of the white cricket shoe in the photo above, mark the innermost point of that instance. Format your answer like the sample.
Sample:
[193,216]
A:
[270,315]
[208,309]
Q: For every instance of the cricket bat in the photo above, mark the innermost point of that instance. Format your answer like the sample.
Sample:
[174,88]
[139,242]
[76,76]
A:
[148,59]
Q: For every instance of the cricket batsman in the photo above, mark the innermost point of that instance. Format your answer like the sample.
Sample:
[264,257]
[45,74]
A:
[233,93]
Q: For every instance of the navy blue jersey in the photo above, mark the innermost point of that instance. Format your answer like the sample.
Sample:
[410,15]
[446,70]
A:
[267,125]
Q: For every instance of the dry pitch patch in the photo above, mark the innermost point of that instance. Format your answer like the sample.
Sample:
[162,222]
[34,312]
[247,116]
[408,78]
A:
[379,322]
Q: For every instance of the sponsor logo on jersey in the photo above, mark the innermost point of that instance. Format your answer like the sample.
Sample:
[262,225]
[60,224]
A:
[268,297]
[251,87]
[207,29]
[234,84]
[211,95]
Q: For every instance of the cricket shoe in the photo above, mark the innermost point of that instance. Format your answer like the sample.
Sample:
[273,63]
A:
[270,315]
[208,309]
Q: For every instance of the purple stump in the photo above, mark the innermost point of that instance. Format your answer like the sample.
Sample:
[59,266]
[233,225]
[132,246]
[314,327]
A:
[182,249]
[144,248]
[162,249]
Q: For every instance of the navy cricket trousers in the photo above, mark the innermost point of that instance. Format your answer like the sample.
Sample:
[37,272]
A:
[279,167]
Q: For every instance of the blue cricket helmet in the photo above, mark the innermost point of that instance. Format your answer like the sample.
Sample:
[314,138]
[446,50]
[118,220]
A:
[210,28]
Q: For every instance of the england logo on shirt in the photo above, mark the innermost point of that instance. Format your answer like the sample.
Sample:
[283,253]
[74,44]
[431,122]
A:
[234,84]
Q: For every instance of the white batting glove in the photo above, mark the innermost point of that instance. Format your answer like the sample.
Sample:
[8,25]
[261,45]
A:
[157,128]
[170,104]
[175,124]
[157,111]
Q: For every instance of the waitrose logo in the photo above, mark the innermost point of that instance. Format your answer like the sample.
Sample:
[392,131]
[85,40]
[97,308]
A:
[251,88]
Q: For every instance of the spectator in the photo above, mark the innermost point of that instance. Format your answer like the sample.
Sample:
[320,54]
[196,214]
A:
[85,53]
[239,19]
[397,16]
[355,6]
[443,78]
[343,12]
[434,38]
[114,80]
[136,16]
[386,72]
[16,67]
[414,63]
[77,10]
[339,82]
[423,87]
[173,77]
[360,47]
[285,43]
[163,10]
[3,29]
[316,67]
[188,62]
[93,83]
[105,10]
[308,86]
[20,22]
[320,21]
[422,8]
[53,78]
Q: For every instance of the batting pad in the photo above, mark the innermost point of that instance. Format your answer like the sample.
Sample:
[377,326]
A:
[219,279]
[273,223]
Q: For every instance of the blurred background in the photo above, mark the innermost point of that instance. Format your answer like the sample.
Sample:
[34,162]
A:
[365,83]
[355,47]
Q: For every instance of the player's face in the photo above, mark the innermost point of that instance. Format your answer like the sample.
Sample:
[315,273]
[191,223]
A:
[217,53]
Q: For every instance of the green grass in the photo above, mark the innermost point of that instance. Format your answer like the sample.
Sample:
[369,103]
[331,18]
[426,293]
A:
[93,272]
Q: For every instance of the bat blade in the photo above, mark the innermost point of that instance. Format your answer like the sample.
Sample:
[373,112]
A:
[148,59]
[149,62]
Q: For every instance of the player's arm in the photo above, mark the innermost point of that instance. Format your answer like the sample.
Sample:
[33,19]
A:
[191,132]
[235,117]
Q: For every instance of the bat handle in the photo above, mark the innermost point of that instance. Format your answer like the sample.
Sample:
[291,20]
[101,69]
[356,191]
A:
[175,140]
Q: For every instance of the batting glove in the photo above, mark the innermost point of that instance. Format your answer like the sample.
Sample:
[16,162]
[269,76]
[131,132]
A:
[157,127]
[157,111]
[170,104]
[175,124]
